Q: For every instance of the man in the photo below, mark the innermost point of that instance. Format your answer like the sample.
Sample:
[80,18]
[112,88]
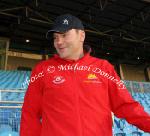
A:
[73,94]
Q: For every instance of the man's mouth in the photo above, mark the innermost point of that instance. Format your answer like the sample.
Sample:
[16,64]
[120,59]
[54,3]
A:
[62,49]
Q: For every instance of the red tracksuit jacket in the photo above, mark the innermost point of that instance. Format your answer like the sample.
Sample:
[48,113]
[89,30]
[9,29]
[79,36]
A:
[75,98]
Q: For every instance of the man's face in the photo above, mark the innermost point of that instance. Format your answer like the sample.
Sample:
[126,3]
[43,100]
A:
[69,45]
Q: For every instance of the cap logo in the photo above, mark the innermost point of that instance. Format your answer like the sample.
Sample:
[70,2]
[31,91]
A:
[65,22]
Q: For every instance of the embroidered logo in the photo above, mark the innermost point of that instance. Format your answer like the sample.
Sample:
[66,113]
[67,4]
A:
[58,80]
[65,22]
[92,78]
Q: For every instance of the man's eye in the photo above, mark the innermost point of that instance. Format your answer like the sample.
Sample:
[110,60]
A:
[64,35]
[54,37]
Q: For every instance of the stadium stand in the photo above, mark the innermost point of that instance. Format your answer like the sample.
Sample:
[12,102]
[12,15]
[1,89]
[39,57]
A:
[13,85]
[140,91]
[12,89]
[13,79]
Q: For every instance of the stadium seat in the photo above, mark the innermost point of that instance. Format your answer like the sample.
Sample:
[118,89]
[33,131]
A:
[146,134]
[136,133]
[9,133]
[120,134]
[5,128]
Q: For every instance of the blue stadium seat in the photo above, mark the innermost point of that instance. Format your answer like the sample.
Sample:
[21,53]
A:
[13,79]
[146,134]
[4,128]
[9,133]
[120,134]
[137,133]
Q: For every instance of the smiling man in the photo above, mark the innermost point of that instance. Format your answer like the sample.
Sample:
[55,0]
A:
[68,37]
[69,45]
[77,92]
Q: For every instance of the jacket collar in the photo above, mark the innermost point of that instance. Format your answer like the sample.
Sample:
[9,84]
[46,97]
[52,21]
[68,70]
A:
[83,59]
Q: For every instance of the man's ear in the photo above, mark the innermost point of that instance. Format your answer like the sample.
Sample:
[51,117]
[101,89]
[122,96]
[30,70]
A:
[82,33]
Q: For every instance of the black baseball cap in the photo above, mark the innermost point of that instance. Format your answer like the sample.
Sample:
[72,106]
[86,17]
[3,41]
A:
[64,23]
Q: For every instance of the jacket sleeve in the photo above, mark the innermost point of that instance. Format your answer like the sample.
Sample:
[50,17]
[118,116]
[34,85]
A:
[31,110]
[124,106]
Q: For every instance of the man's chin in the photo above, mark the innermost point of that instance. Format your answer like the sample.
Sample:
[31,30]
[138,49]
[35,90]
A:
[62,56]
